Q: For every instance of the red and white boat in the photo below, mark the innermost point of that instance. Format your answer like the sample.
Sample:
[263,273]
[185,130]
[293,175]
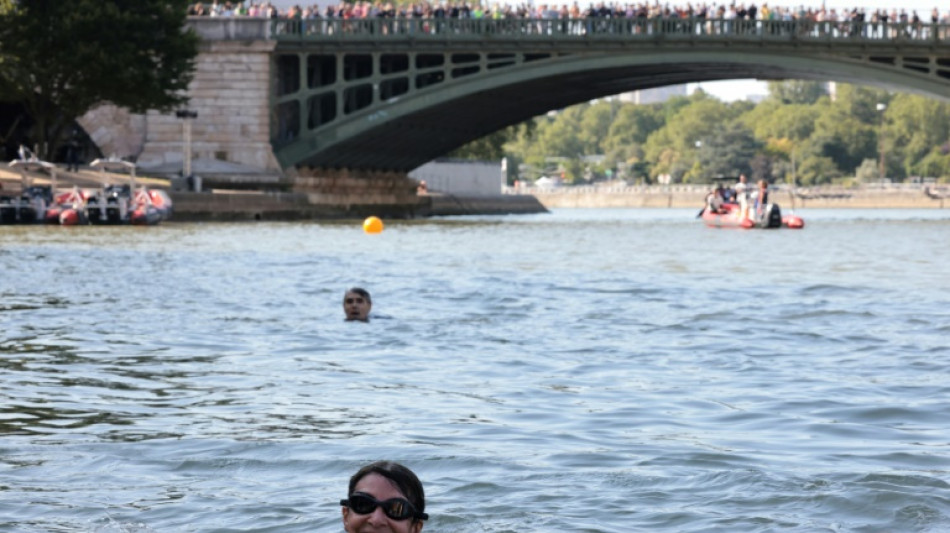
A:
[68,208]
[113,204]
[150,206]
[730,215]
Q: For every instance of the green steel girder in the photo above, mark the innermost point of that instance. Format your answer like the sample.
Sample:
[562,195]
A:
[507,81]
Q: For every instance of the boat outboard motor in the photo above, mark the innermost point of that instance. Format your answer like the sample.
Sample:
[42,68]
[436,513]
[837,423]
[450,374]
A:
[95,212]
[113,210]
[44,192]
[117,199]
[32,204]
[8,210]
[773,216]
[39,198]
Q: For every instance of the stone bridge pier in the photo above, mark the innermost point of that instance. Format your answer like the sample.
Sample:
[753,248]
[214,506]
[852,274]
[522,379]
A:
[231,134]
[230,92]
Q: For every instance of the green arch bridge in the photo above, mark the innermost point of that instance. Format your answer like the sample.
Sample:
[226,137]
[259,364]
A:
[393,94]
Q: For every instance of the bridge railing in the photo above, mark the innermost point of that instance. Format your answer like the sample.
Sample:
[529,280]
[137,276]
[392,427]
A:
[323,29]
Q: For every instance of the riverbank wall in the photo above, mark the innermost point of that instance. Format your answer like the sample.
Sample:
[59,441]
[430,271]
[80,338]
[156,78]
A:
[898,196]
[302,206]
[395,197]
[249,206]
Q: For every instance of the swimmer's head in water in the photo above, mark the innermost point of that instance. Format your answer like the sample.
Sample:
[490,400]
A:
[356,304]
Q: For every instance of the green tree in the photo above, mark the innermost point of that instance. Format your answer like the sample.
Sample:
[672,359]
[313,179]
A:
[671,107]
[729,153]
[549,136]
[632,125]
[868,171]
[762,168]
[672,148]
[574,170]
[773,120]
[560,137]
[61,59]
[796,91]
[862,102]
[815,140]
[840,136]
[595,125]
[816,170]
[489,148]
[784,130]
[935,165]
[913,127]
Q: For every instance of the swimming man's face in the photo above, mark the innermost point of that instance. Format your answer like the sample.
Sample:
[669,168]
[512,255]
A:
[356,307]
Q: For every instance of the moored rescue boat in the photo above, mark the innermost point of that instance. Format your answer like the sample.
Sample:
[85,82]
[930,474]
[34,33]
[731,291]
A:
[68,208]
[29,205]
[113,204]
[150,206]
[126,204]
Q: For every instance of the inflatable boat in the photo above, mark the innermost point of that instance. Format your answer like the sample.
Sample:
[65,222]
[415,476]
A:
[729,216]
[28,205]
[112,204]
[68,208]
[26,208]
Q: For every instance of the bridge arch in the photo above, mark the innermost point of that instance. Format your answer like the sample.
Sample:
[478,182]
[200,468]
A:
[392,94]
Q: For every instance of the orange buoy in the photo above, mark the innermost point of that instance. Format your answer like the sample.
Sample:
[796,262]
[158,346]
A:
[373,225]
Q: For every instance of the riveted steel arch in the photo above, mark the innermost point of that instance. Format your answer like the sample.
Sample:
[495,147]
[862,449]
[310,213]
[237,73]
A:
[458,86]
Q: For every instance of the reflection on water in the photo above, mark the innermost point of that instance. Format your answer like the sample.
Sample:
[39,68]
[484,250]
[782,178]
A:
[587,370]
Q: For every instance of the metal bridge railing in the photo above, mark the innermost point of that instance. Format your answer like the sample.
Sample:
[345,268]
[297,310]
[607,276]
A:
[323,29]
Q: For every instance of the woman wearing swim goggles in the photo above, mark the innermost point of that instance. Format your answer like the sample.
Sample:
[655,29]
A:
[384,496]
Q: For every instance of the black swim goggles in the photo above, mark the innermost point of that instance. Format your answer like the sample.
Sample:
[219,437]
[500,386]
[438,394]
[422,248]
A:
[395,508]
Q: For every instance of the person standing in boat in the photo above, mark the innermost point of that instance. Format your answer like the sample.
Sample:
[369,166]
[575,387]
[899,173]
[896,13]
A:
[742,195]
[761,198]
[357,304]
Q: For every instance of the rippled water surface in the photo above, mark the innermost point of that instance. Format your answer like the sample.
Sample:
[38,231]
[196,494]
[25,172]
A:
[584,370]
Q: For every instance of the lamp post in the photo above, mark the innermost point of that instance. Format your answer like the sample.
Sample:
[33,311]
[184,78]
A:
[880,141]
[187,115]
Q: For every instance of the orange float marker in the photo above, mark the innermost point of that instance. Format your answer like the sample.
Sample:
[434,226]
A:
[373,225]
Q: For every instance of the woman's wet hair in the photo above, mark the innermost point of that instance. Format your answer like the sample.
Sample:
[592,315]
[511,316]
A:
[361,291]
[401,477]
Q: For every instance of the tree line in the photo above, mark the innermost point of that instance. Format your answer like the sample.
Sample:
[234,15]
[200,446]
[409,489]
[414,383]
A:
[798,134]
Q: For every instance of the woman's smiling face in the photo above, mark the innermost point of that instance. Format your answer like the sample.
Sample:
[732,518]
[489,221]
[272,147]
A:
[382,489]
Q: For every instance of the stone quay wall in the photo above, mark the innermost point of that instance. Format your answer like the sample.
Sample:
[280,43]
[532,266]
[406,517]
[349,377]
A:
[355,190]
[897,196]
[230,92]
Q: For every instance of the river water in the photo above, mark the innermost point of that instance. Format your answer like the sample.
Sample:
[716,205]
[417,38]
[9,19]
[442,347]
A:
[579,371]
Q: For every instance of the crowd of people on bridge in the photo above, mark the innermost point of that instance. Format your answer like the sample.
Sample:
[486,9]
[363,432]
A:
[877,23]
[699,19]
